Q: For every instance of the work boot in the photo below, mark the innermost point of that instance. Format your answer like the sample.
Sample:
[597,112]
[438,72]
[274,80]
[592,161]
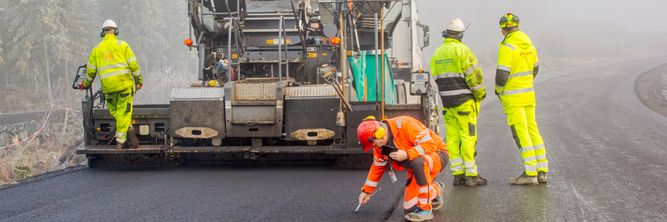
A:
[419,215]
[524,180]
[121,145]
[459,180]
[475,181]
[439,201]
[542,177]
[133,139]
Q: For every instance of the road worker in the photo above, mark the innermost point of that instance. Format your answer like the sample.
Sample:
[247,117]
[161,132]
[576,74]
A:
[461,87]
[517,68]
[120,77]
[404,143]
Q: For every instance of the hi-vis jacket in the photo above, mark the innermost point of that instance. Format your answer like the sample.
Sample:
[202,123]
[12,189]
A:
[116,64]
[410,135]
[517,67]
[457,74]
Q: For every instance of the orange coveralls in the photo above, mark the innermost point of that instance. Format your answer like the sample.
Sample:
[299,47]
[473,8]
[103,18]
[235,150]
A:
[427,157]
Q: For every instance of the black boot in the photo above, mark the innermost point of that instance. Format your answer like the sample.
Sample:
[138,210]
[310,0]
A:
[132,136]
[459,180]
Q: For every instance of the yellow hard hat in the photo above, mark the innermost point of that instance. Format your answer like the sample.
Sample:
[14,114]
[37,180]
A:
[212,83]
[509,20]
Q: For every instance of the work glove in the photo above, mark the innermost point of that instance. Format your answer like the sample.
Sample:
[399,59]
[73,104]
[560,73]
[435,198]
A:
[399,155]
[364,198]
[140,86]
[81,86]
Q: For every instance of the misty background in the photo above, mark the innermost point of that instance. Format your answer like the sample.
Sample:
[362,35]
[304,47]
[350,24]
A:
[43,41]
[560,30]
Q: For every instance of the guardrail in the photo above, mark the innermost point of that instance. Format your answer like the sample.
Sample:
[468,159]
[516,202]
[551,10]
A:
[41,117]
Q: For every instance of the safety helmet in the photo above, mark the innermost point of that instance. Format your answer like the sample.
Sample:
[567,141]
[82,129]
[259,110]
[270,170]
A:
[509,20]
[456,24]
[109,24]
[369,130]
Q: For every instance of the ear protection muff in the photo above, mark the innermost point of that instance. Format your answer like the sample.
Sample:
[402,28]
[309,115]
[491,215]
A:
[380,132]
[115,32]
[458,36]
[509,20]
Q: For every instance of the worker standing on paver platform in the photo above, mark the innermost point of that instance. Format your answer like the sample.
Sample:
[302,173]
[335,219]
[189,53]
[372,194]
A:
[120,76]
[461,87]
[404,143]
[517,68]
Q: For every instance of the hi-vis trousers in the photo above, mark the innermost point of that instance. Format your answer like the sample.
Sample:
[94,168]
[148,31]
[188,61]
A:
[120,107]
[461,127]
[521,120]
[422,171]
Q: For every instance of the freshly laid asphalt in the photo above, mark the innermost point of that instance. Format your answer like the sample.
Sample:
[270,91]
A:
[606,153]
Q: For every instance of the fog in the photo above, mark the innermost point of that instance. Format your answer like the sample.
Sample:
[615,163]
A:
[563,29]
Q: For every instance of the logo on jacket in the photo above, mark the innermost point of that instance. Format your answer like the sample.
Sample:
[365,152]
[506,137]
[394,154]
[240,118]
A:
[525,53]
[441,61]
[108,56]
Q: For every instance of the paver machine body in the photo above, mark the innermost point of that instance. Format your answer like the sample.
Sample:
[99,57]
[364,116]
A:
[272,81]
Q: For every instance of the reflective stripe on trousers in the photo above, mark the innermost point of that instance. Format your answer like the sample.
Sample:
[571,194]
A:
[529,161]
[456,166]
[541,156]
[471,168]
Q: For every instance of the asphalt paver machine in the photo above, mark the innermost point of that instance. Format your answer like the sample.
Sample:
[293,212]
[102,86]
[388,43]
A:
[281,79]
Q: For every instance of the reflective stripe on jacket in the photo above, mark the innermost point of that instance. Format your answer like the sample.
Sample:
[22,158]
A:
[517,66]
[116,65]
[410,135]
[457,73]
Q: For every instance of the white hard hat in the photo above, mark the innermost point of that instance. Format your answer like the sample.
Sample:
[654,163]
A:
[456,25]
[109,24]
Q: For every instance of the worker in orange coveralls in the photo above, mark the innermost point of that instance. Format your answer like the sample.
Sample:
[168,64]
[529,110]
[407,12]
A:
[404,143]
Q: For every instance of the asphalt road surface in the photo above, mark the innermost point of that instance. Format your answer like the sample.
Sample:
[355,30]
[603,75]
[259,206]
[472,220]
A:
[606,150]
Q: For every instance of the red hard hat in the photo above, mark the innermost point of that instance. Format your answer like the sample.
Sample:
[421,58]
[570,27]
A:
[366,133]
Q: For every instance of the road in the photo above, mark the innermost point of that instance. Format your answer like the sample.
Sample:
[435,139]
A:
[606,152]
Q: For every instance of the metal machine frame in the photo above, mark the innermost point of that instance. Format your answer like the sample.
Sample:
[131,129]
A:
[287,97]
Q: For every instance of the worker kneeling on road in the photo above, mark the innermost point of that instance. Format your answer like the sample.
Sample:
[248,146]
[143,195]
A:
[404,143]
[119,74]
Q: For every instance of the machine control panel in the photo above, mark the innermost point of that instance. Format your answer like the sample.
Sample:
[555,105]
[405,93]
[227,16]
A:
[419,83]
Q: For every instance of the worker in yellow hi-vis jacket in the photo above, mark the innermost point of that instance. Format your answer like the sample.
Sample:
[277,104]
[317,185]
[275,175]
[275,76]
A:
[117,66]
[461,87]
[517,68]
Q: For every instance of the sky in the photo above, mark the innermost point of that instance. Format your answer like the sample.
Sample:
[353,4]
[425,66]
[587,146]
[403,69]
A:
[563,28]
